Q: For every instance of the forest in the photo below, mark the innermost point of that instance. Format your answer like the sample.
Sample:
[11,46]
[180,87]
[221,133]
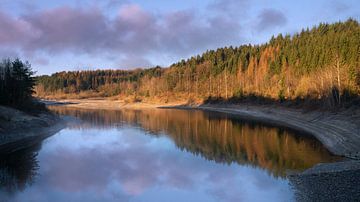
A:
[319,65]
[16,83]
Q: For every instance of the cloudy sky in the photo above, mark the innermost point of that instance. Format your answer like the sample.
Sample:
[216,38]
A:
[56,35]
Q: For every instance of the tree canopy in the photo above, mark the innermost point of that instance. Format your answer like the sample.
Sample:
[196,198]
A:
[318,63]
[16,82]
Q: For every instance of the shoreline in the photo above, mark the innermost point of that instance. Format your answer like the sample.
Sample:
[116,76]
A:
[19,130]
[328,182]
[339,132]
[336,131]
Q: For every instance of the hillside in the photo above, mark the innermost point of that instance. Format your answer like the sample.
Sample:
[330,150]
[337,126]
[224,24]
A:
[319,66]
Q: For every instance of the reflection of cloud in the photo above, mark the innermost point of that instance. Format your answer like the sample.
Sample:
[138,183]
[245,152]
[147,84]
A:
[119,164]
[247,147]
[131,165]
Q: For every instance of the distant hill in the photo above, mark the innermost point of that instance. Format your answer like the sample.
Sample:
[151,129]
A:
[321,64]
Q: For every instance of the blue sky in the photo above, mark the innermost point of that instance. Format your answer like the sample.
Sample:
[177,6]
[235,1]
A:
[56,35]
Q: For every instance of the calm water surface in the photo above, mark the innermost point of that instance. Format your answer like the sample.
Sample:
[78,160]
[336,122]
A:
[158,155]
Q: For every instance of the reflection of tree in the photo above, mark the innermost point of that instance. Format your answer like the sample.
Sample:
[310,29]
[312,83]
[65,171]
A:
[18,169]
[216,137]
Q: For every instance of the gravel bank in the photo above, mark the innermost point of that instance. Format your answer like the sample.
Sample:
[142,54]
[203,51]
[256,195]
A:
[328,182]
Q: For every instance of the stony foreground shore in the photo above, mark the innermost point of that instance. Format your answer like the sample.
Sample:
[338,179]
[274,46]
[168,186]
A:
[19,130]
[328,182]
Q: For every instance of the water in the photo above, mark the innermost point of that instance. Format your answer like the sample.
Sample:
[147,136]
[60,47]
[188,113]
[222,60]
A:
[158,155]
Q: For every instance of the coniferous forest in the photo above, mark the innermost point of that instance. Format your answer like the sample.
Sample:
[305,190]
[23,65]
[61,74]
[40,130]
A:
[16,83]
[319,65]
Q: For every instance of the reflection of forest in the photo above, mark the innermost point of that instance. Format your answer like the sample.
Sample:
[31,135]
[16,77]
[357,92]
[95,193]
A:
[216,137]
[18,169]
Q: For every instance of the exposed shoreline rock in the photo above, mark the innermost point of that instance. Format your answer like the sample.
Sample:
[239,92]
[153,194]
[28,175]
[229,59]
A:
[328,182]
[19,130]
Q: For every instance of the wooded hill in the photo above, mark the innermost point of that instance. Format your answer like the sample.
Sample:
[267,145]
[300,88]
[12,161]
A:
[321,64]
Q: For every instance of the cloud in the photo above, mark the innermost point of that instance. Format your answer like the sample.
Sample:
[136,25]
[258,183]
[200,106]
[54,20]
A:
[41,61]
[185,32]
[132,32]
[140,34]
[6,52]
[269,19]
[13,30]
[230,7]
[65,28]
[136,30]
[339,6]
[134,61]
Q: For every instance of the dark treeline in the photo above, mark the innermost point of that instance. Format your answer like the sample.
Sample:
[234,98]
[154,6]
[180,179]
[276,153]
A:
[322,63]
[18,169]
[107,81]
[16,83]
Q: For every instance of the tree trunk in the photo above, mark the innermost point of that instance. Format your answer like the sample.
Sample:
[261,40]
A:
[226,86]
[338,78]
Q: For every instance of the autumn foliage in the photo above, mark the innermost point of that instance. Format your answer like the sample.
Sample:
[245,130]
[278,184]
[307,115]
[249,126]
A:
[321,64]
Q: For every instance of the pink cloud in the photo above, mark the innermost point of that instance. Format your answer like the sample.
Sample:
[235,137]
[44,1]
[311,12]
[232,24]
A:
[14,30]
[68,28]
[132,32]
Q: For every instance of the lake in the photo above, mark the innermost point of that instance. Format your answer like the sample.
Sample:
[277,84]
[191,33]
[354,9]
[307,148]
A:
[158,155]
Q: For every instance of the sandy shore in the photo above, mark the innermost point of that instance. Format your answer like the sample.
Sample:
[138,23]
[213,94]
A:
[99,103]
[338,131]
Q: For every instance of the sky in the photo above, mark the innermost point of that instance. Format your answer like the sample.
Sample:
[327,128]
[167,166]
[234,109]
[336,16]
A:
[67,35]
